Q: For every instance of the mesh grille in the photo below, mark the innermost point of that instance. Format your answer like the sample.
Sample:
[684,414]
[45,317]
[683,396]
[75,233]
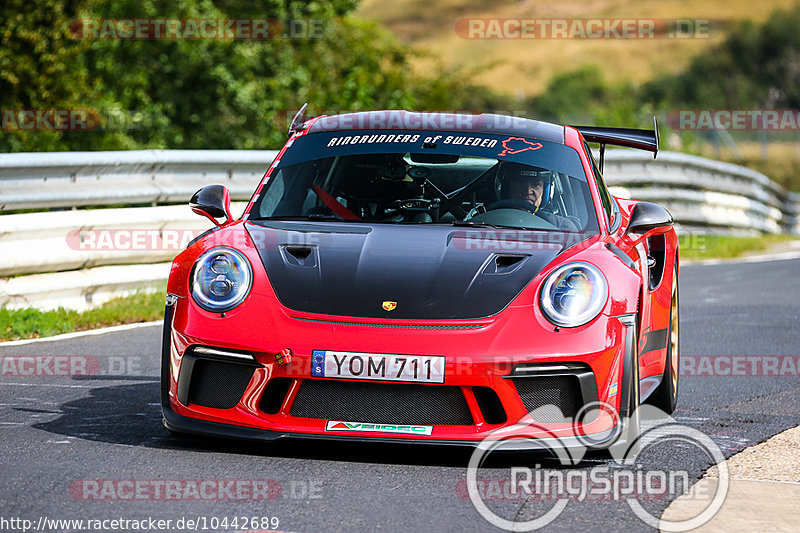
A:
[563,392]
[217,384]
[385,403]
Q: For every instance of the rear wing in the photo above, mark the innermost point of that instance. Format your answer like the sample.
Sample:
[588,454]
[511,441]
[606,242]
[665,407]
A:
[631,138]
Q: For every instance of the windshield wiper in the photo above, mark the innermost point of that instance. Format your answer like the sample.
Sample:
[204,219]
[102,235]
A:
[312,216]
[471,224]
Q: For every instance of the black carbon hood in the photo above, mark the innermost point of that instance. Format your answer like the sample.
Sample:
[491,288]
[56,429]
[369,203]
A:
[430,272]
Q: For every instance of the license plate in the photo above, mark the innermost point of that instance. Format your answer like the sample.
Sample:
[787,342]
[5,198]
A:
[372,366]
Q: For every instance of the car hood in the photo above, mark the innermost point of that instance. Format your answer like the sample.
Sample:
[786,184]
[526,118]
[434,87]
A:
[397,272]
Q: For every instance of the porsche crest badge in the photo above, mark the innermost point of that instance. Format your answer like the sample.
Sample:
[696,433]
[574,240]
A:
[388,305]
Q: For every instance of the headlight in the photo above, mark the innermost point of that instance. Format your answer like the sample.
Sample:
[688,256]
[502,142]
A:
[222,279]
[573,295]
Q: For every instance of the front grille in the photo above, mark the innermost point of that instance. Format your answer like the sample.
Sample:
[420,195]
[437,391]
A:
[219,384]
[385,403]
[554,394]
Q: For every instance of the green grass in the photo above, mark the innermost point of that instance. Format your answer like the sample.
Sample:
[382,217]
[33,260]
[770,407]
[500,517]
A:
[31,323]
[697,247]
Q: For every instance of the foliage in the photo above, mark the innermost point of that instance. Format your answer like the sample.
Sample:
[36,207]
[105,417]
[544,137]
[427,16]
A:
[241,94]
[37,58]
[755,67]
[203,93]
[28,323]
[584,96]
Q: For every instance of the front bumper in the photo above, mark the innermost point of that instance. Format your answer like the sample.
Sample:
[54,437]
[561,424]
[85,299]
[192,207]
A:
[470,371]
[204,428]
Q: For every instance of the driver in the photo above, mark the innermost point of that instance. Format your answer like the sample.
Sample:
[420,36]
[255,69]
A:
[533,185]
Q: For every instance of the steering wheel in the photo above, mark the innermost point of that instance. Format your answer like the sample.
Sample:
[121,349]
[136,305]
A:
[513,203]
[524,205]
[575,220]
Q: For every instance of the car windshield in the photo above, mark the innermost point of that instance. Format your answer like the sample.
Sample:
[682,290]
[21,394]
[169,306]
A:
[467,179]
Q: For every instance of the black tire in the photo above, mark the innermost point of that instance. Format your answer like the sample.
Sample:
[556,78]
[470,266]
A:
[665,397]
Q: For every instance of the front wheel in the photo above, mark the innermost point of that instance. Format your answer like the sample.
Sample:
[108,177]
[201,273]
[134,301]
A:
[665,397]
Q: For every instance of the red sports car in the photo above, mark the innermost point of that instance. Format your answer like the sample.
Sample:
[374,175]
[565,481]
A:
[428,278]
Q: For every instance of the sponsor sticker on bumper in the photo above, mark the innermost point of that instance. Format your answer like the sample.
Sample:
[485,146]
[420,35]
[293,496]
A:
[361,427]
[372,366]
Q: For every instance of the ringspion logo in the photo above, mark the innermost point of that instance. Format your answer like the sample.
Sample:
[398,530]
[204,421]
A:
[549,490]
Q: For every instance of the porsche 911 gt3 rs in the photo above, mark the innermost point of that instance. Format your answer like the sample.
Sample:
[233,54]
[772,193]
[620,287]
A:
[425,277]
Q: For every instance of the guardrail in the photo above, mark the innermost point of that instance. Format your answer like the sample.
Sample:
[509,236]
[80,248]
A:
[704,195]
[46,264]
[74,179]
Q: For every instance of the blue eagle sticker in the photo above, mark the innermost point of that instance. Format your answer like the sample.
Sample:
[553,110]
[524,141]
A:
[318,364]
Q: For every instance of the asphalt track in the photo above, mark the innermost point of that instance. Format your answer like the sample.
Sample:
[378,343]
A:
[57,432]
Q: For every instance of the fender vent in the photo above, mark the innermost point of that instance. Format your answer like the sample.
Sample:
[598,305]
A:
[656,248]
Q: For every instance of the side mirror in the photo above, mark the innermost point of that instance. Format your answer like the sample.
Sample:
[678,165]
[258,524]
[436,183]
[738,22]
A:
[647,216]
[213,202]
